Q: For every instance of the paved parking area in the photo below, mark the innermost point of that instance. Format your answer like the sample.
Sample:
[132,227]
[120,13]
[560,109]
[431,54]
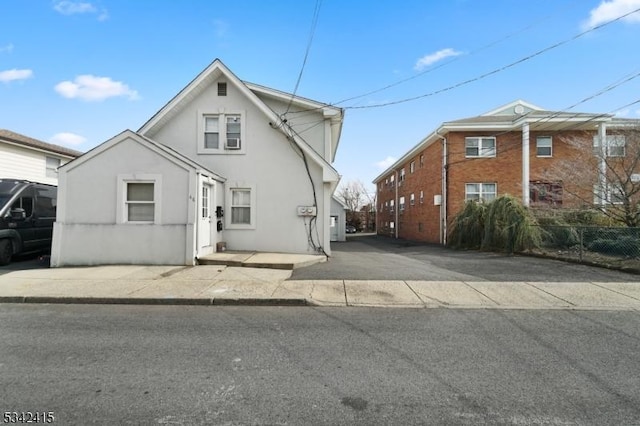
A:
[371,257]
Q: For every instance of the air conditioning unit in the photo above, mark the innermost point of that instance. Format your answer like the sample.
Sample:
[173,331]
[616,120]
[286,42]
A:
[233,143]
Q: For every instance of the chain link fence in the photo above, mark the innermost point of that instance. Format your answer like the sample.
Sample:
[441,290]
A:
[606,246]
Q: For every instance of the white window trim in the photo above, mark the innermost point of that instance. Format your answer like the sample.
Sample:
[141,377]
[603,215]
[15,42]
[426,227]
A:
[222,132]
[480,193]
[550,147]
[121,209]
[480,138]
[229,201]
[609,144]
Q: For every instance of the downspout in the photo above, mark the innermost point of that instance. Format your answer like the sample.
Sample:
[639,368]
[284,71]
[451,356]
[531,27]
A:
[525,164]
[602,172]
[397,207]
[443,201]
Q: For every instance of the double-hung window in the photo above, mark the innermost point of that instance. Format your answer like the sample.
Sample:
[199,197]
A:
[240,206]
[221,133]
[412,199]
[401,204]
[52,167]
[480,147]
[615,145]
[479,191]
[140,204]
[544,146]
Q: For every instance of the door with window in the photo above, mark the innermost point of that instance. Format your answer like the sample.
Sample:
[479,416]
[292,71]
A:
[204,221]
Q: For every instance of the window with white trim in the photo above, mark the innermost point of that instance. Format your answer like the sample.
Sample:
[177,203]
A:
[412,199]
[479,191]
[614,194]
[402,175]
[52,165]
[421,160]
[241,206]
[221,133]
[401,204]
[421,197]
[480,147]
[139,202]
[391,205]
[544,146]
[615,145]
[412,167]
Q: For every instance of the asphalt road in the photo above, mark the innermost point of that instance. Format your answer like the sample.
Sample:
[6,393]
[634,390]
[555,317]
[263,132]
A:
[371,257]
[241,365]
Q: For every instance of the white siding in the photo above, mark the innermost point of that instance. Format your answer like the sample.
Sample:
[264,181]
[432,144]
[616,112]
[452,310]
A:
[23,163]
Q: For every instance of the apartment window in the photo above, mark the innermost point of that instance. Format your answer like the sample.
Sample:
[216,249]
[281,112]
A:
[222,89]
[412,167]
[614,194]
[386,204]
[401,204]
[52,167]
[391,205]
[392,181]
[221,134]
[241,206]
[421,160]
[140,203]
[392,225]
[480,147]
[421,197]
[479,191]
[615,145]
[544,146]
[412,199]
[545,193]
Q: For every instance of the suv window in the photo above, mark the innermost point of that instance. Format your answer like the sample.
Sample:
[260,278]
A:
[46,201]
[25,202]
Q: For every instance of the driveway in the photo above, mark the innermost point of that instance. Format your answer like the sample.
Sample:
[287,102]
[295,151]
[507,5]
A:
[372,257]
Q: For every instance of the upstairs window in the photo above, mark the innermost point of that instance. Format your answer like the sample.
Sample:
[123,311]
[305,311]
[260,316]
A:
[401,204]
[412,199]
[421,160]
[544,146]
[480,147]
[412,167]
[221,134]
[52,167]
[421,197]
[615,145]
[222,89]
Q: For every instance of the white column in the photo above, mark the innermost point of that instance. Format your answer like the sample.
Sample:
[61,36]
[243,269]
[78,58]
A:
[525,164]
[602,172]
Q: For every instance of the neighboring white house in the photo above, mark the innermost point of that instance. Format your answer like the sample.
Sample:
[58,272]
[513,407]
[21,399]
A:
[25,158]
[338,219]
[224,161]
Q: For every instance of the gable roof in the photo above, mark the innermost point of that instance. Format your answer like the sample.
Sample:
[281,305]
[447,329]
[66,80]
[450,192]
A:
[508,117]
[26,141]
[158,148]
[213,72]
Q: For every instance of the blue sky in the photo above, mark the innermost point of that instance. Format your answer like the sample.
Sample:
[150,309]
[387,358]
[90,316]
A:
[76,73]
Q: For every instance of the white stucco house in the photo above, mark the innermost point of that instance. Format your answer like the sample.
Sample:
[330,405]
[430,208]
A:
[224,164]
[26,158]
[338,219]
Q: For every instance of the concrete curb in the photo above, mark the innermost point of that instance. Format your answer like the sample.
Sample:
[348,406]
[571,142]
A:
[64,300]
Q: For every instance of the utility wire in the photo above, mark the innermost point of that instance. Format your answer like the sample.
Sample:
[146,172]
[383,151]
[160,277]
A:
[314,23]
[497,70]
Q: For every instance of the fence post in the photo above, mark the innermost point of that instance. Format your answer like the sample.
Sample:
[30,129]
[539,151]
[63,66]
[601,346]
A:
[581,243]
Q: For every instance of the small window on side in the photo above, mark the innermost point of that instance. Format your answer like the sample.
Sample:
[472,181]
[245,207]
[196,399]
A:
[222,89]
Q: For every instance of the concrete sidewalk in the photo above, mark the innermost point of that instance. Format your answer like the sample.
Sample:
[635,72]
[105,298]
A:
[224,285]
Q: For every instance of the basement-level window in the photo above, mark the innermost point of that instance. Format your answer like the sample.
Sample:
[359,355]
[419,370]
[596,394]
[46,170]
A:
[480,191]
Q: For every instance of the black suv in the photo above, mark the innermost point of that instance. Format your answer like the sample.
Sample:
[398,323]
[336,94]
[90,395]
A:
[27,213]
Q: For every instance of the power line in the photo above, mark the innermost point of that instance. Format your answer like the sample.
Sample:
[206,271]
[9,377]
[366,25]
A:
[497,70]
[314,23]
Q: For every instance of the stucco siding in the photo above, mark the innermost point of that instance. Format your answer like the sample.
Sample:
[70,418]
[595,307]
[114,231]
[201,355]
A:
[22,163]
[91,187]
[102,244]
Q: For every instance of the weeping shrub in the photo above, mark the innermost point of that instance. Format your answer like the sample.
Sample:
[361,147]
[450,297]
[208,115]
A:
[503,225]
[468,226]
[509,226]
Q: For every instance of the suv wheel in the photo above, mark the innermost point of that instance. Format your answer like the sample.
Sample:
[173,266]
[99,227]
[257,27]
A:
[6,250]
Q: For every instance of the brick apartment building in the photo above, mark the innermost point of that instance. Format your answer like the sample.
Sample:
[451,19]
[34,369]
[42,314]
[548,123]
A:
[481,157]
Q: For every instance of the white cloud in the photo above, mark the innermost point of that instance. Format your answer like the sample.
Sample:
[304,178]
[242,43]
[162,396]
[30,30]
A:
[68,139]
[93,88]
[427,60]
[609,10]
[386,163]
[14,74]
[67,7]
[6,49]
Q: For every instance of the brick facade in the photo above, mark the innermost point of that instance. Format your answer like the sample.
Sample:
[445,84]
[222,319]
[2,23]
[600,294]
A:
[424,221]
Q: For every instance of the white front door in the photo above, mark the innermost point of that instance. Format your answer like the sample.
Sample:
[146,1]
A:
[334,228]
[204,221]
